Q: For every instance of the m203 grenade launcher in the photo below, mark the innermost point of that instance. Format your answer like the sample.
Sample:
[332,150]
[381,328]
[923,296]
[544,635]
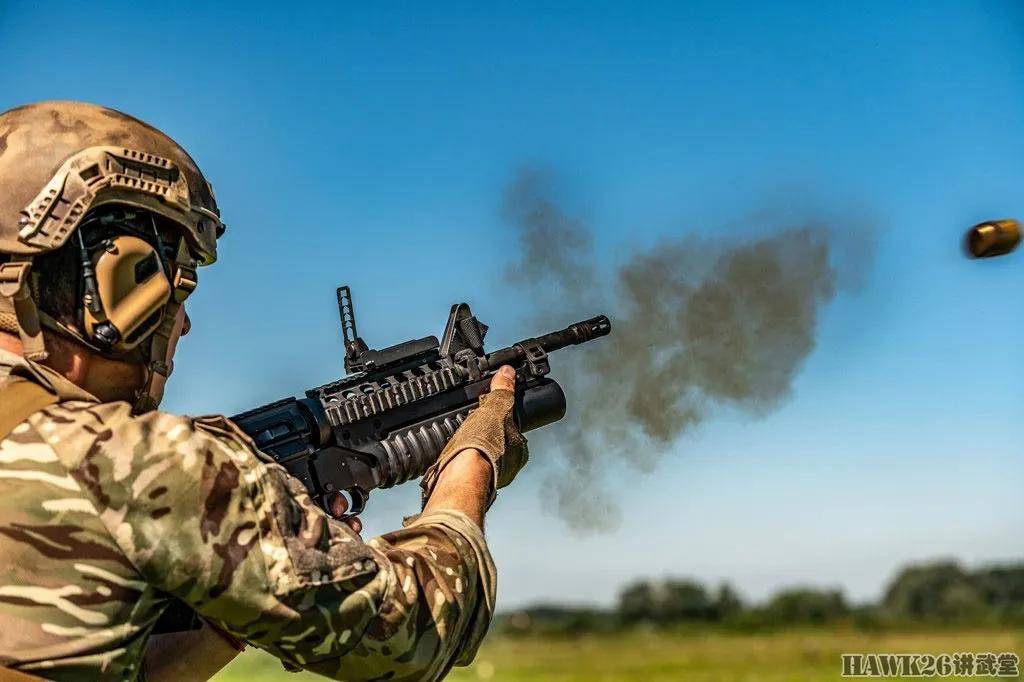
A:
[388,420]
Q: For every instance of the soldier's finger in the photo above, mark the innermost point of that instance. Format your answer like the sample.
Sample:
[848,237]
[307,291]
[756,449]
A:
[338,505]
[355,524]
[505,378]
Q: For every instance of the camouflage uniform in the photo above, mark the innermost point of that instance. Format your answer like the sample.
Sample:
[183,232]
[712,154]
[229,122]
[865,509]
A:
[105,516]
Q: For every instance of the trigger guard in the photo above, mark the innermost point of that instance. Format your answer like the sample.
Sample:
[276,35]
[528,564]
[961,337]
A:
[356,499]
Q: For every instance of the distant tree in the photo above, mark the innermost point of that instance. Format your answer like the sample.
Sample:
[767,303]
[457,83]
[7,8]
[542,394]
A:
[727,602]
[665,601]
[940,591]
[636,602]
[555,619]
[1002,590]
[686,600]
[806,605]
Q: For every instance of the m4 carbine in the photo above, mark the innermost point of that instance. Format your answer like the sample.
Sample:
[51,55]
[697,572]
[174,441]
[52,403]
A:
[388,420]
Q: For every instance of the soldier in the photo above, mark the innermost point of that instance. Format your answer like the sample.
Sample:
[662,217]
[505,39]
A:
[111,511]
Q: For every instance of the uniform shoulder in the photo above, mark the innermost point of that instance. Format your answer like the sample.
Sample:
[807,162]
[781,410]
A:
[78,430]
[87,422]
[143,468]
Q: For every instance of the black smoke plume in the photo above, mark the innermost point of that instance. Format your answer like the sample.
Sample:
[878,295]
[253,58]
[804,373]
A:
[697,324]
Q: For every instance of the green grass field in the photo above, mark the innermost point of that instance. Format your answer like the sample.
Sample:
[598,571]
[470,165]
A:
[659,656]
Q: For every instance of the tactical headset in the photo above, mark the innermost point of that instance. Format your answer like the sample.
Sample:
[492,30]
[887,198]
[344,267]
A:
[130,276]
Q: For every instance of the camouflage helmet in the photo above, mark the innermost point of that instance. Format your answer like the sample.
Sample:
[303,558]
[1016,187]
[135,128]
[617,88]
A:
[58,161]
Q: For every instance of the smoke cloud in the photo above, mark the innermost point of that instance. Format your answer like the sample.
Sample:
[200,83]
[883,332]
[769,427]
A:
[697,325]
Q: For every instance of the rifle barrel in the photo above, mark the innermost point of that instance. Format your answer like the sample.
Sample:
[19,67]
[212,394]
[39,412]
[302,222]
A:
[574,334]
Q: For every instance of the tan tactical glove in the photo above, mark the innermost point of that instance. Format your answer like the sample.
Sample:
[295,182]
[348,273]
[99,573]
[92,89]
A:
[490,429]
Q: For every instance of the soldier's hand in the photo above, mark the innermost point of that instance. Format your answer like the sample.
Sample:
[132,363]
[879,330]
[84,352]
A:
[491,431]
[339,505]
[503,380]
[497,407]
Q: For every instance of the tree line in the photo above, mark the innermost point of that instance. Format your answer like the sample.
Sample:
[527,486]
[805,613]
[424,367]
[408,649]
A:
[935,593]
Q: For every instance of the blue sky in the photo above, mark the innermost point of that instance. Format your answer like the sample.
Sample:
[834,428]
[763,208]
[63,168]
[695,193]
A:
[371,146]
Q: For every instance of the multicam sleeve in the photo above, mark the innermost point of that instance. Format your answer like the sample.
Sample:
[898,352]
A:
[203,518]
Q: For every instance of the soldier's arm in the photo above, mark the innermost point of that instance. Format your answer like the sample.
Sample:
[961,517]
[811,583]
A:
[464,486]
[186,656]
[202,518]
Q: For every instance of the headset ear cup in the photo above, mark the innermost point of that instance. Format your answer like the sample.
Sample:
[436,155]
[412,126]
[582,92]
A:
[133,291]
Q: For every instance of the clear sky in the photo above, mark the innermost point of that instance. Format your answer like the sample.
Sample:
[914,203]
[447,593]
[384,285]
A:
[371,146]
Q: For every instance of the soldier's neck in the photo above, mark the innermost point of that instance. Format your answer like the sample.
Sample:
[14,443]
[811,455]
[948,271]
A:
[62,358]
[105,378]
[11,343]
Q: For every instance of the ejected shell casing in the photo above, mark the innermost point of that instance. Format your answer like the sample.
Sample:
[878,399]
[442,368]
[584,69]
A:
[993,238]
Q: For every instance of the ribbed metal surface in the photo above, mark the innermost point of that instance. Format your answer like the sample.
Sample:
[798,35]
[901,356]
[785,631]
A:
[398,390]
[408,453]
